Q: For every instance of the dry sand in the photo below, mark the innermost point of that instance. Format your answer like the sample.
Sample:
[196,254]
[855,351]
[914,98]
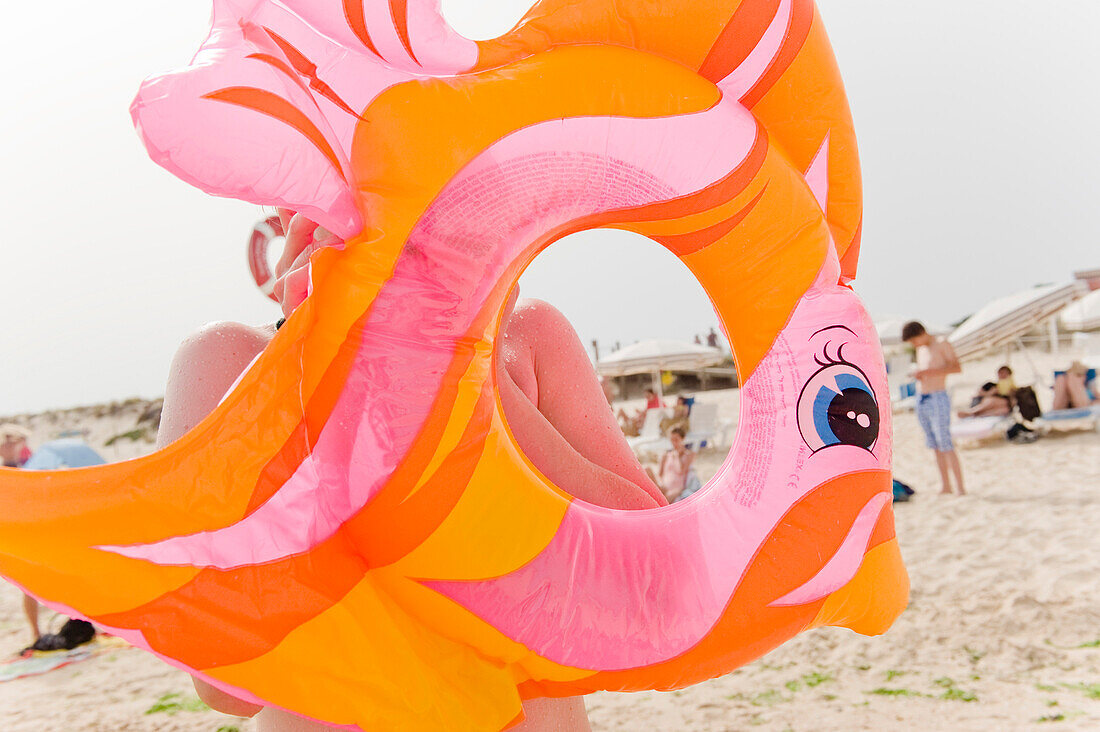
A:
[1002,632]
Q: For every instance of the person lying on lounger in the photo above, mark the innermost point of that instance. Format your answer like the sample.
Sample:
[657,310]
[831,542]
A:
[1071,388]
[988,403]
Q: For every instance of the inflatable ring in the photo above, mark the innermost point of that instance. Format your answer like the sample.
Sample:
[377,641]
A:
[259,240]
[381,551]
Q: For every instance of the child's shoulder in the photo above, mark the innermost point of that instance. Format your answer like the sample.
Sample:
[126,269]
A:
[224,337]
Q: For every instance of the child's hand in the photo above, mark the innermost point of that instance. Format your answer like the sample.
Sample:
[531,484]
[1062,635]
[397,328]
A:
[303,237]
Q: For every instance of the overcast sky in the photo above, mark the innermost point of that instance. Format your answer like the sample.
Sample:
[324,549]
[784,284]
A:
[978,124]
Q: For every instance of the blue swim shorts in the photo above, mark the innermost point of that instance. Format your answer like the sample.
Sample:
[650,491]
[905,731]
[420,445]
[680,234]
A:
[934,415]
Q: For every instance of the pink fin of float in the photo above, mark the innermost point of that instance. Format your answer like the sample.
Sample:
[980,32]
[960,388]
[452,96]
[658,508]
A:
[839,570]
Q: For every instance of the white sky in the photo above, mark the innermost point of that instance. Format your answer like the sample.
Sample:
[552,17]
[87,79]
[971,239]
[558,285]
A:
[978,122]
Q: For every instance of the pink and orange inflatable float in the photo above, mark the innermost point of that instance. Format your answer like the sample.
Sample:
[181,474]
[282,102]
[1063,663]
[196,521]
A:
[334,539]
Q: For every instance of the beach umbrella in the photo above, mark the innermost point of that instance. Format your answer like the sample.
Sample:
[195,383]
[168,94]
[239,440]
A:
[68,453]
[1007,318]
[1082,315]
[655,356]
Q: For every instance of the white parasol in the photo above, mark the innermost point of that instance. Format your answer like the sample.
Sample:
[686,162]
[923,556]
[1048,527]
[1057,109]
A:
[655,356]
[1007,318]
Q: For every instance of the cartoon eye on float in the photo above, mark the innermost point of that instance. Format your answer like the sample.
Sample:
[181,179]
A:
[837,405]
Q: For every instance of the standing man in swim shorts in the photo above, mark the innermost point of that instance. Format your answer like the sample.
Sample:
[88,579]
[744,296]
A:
[935,360]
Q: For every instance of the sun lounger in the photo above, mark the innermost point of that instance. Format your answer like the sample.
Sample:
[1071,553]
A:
[704,431]
[1067,419]
[976,429]
[704,426]
[650,432]
[1074,417]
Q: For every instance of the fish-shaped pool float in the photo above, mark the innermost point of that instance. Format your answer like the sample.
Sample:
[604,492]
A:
[353,534]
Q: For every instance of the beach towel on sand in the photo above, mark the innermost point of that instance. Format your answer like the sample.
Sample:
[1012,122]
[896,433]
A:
[34,663]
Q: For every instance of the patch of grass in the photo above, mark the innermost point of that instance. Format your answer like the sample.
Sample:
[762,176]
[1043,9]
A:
[132,436]
[1052,702]
[815,679]
[864,667]
[1092,691]
[1046,687]
[174,703]
[951,693]
[1086,644]
[891,674]
[958,695]
[975,655]
[1051,718]
[228,728]
[793,686]
[768,698]
[828,697]
[883,691]
[757,720]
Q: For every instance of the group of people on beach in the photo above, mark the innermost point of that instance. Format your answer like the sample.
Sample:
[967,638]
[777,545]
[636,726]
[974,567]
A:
[936,360]
[674,473]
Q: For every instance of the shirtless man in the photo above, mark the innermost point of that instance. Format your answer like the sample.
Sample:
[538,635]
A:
[935,360]
[549,393]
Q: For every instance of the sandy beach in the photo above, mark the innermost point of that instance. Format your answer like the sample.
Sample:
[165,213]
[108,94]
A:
[1002,631]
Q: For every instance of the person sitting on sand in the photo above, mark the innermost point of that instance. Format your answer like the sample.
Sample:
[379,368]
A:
[989,402]
[547,390]
[1071,388]
[14,450]
[679,417]
[675,472]
[935,360]
[632,424]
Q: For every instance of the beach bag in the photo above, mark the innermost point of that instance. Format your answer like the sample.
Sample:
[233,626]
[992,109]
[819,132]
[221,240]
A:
[1027,403]
[72,634]
[1021,435]
[902,492]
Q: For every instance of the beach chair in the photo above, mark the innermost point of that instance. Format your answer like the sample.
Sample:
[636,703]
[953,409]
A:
[704,431]
[904,397]
[903,388]
[704,426]
[650,432]
[1074,418]
[1070,419]
[977,429]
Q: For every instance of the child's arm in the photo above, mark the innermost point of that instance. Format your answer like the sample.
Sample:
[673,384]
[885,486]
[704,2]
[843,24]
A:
[204,367]
[951,363]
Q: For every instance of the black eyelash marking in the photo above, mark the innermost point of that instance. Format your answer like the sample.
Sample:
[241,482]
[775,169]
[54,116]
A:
[832,360]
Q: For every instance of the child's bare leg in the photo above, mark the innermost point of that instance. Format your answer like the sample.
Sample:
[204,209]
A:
[545,715]
[1061,392]
[941,463]
[1078,394]
[30,608]
[956,468]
